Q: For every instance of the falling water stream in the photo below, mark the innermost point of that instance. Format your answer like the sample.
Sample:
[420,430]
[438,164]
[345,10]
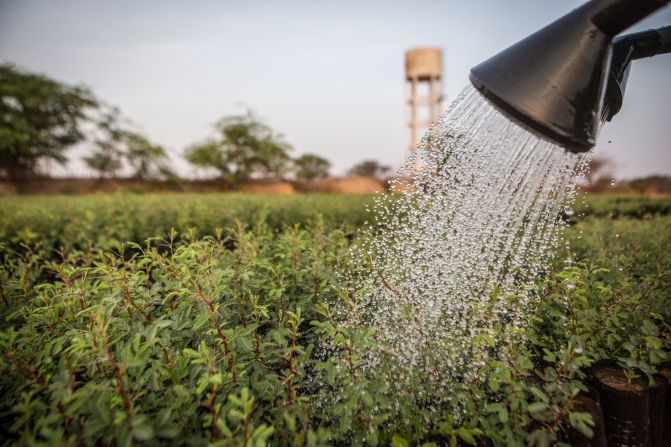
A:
[455,259]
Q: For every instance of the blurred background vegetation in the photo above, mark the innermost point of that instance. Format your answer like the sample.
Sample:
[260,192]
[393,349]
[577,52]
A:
[43,119]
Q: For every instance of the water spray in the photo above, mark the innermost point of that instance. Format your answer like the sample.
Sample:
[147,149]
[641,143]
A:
[454,265]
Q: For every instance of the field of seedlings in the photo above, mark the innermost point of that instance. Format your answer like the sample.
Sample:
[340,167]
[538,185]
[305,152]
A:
[217,320]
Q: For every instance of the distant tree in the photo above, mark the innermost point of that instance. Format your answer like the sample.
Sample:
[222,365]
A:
[370,168]
[244,147]
[310,166]
[166,173]
[660,184]
[148,160]
[106,159]
[116,146]
[40,118]
[208,154]
[103,162]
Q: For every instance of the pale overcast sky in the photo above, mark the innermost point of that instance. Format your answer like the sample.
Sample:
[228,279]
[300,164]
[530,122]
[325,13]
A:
[326,74]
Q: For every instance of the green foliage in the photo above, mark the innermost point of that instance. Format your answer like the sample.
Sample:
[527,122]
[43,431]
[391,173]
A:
[616,206]
[310,167]
[208,154]
[193,344]
[115,144]
[613,304]
[99,221]
[244,147]
[225,333]
[41,119]
[107,158]
[370,168]
[147,159]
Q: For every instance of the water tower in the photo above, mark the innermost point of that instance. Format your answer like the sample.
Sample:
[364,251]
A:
[424,90]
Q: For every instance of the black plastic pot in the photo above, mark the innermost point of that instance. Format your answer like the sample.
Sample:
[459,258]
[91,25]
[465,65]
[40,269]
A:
[625,405]
[665,372]
[589,403]
[658,397]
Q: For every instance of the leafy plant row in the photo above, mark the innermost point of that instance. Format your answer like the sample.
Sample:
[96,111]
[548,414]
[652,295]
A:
[236,338]
[100,221]
[616,206]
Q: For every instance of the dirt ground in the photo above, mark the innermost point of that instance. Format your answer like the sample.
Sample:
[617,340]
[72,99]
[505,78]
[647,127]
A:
[351,184]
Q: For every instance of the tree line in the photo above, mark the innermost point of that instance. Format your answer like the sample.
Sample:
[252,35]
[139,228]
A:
[41,119]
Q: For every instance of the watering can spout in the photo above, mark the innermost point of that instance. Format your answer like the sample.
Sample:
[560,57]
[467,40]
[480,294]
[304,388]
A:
[563,80]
